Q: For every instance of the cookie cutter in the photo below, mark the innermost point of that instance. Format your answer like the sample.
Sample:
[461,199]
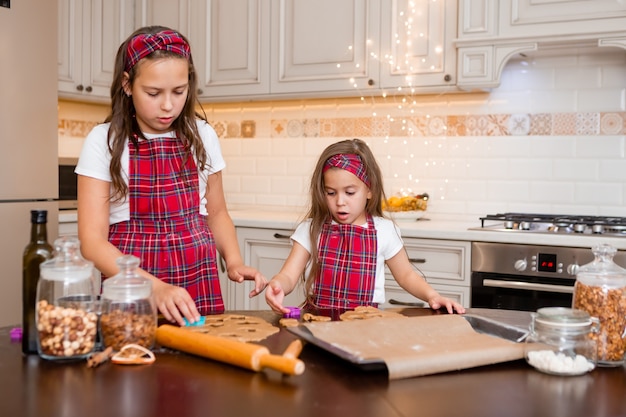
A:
[294,313]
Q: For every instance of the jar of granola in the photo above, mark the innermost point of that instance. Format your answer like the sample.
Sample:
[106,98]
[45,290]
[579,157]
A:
[600,290]
[128,311]
[67,323]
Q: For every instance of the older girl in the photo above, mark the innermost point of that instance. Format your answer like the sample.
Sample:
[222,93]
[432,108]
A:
[150,181]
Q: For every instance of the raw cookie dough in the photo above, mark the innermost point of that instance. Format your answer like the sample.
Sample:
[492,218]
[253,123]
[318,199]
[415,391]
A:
[288,322]
[237,327]
[367,312]
[313,317]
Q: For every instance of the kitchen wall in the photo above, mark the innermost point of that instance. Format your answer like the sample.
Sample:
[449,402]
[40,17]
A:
[551,139]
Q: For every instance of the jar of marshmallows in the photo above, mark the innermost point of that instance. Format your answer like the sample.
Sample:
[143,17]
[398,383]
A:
[561,341]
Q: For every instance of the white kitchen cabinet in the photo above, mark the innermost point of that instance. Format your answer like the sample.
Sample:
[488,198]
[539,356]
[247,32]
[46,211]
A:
[324,45]
[490,32]
[90,32]
[446,265]
[417,49]
[292,48]
[266,250]
[229,42]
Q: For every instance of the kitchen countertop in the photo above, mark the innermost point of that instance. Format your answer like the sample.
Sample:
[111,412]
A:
[280,218]
[433,229]
[179,384]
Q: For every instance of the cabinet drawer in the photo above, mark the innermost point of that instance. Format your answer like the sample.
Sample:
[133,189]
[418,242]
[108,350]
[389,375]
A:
[396,297]
[68,229]
[266,250]
[441,262]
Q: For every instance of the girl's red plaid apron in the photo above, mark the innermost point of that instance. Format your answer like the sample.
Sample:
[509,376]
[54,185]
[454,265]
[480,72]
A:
[165,229]
[347,256]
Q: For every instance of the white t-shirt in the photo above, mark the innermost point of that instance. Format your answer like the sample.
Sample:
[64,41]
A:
[95,159]
[389,243]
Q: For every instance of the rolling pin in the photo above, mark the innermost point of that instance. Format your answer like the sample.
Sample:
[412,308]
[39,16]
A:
[245,355]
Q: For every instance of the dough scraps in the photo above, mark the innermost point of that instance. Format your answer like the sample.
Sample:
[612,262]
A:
[237,327]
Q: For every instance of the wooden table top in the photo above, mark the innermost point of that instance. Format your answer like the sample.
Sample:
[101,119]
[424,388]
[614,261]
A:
[179,384]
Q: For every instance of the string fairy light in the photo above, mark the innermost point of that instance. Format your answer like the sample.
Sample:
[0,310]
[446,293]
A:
[403,115]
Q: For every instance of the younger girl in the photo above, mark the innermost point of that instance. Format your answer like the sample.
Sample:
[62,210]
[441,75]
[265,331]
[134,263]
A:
[150,181]
[346,240]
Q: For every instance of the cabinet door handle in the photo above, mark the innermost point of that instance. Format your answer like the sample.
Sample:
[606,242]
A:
[281,236]
[417,260]
[221,262]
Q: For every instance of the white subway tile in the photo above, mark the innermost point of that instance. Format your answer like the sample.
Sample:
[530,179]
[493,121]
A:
[599,193]
[257,184]
[271,199]
[574,170]
[271,166]
[487,168]
[551,192]
[286,185]
[612,170]
[231,147]
[530,169]
[600,100]
[573,78]
[241,199]
[600,147]
[256,147]
[509,191]
[550,101]
[241,165]
[552,146]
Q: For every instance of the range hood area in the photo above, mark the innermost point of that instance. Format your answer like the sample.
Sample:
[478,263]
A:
[491,33]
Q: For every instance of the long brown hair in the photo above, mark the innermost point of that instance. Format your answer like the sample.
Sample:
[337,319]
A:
[122,117]
[318,211]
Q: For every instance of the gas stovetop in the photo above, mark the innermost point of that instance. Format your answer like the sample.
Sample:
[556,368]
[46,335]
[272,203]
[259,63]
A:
[555,224]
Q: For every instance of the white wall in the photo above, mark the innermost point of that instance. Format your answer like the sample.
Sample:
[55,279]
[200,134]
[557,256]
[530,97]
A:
[551,138]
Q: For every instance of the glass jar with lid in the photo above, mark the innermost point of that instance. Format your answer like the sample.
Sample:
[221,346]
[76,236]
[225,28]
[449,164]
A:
[600,290]
[561,341]
[66,318]
[128,311]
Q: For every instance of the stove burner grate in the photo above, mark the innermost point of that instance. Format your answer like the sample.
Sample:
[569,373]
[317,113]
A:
[561,223]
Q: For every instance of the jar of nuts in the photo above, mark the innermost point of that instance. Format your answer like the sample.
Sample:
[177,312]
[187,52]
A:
[600,290]
[66,319]
[128,311]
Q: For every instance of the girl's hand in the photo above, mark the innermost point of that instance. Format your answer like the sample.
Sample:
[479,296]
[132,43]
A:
[438,302]
[174,303]
[242,272]
[274,296]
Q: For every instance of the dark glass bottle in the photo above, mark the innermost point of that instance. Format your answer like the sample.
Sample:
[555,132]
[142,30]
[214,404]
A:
[37,251]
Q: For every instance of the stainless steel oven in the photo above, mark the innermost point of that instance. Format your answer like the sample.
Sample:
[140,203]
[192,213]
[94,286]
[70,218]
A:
[528,277]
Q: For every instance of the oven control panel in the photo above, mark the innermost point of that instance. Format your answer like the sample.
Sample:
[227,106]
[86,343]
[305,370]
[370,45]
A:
[532,260]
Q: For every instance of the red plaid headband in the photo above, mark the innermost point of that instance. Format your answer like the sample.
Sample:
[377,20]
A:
[144,44]
[351,163]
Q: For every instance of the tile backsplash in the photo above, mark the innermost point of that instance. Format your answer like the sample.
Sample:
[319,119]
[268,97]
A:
[551,139]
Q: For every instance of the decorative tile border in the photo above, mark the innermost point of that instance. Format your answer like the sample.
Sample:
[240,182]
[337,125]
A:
[540,124]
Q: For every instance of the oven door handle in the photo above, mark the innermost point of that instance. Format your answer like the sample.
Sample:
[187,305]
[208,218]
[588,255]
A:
[518,285]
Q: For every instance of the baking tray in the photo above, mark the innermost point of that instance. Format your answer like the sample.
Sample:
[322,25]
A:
[479,324]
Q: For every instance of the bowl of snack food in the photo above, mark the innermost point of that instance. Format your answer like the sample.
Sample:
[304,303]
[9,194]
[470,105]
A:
[406,207]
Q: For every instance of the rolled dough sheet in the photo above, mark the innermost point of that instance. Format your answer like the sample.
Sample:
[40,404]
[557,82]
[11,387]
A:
[415,346]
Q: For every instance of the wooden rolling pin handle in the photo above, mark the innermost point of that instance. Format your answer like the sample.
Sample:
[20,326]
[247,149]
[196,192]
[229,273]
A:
[285,365]
[294,349]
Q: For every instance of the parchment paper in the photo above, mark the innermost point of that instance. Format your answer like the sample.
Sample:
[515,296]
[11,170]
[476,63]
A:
[415,346]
